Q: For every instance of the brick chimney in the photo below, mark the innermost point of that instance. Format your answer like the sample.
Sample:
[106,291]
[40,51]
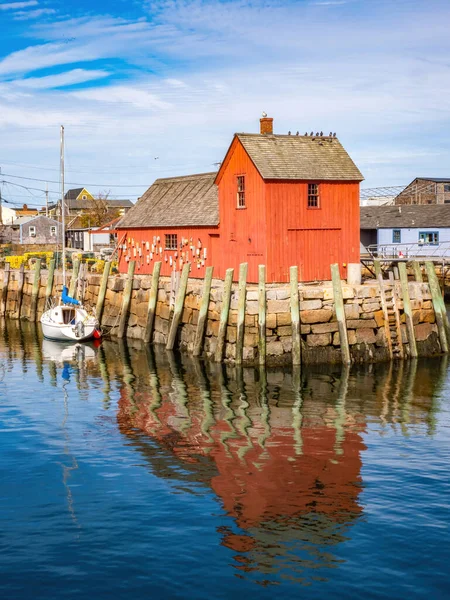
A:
[266,125]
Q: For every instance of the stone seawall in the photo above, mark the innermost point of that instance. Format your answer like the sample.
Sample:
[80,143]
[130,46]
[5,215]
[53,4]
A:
[319,327]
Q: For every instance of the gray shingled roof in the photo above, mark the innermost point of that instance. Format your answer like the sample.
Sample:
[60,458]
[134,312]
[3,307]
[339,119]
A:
[405,216]
[176,202]
[73,194]
[87,204]
[299,157]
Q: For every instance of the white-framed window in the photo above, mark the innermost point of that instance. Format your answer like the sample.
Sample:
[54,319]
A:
[84,197]
[429,237]
[396,236]
[32,231]
[241,191]
[313,195]
[171,241]
[53,230]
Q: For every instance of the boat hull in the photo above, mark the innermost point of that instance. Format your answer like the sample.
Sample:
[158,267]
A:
[68,324]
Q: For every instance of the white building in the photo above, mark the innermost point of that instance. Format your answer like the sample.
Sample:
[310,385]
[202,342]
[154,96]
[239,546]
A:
[408,230]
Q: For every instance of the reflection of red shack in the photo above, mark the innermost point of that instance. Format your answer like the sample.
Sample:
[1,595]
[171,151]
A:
[265,468]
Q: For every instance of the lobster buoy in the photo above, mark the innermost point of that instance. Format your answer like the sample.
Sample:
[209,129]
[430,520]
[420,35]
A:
[97,334]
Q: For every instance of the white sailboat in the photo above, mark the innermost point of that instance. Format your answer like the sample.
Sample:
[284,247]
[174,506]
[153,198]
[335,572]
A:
[69,320]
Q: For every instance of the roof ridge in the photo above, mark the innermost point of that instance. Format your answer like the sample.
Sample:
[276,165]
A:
[192,176]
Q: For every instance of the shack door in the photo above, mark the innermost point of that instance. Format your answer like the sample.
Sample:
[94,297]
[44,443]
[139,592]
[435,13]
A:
[314,250]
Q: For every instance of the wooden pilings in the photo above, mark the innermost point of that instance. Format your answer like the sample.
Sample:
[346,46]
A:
[35,290]
[152,300]
[20,282]
[417,271]
[295,317]
[242,296]
[50,277]
[126,299]
[262,314]
[74,278]
[179,304]
[203,313]
[224,314]
[340,313]
[439,307]
[407,310]
[102,291]
[6,274]
[377,267]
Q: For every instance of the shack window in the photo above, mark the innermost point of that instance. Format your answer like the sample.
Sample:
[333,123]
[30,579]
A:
[429,237]
[447,187]
[396,236]
[241,191]
[32,231]
[313,195]
[53,230]
[171,241]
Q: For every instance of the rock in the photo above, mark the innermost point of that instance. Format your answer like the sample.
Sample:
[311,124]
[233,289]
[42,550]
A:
[136,283]
[423,331]
[361,324]
[285,331]
[271,321]
[379,318]
[186,317]
[320,339]
[311,304]
[283,294]
[370,306]
[212,328]
[351,336]
[251,307]
[287,344]
[347,292]
[250,320]
[305,329]
[248,354]
[381,337]
[276,306]
[366,336]
[146,282]
[274,349]
[162,310]
[351,311]
[325,327]
[427,316]
[284,319]
[322,315]
[250,340]
[312,293]
[231,333]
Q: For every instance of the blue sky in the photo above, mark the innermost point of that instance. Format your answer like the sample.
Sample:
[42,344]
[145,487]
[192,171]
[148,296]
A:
[157,88]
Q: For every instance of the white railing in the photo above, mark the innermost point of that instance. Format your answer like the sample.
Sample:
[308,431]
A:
[439,251]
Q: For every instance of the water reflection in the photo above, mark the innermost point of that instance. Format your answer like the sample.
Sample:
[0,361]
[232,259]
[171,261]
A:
[280,450]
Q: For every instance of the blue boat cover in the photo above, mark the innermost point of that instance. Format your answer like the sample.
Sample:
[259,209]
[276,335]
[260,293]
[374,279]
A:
[66,298]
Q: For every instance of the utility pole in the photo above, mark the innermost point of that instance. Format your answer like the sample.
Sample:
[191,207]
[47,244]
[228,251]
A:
[1,211]
[46,199]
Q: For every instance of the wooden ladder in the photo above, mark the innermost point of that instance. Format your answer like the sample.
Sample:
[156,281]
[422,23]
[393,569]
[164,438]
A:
[389,303]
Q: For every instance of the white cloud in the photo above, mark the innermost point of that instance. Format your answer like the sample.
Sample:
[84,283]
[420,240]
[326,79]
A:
[72,77]
[23,15]
[18,5]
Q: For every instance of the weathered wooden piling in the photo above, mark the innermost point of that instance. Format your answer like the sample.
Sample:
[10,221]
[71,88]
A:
[262,314]
[396,272]
[6,274]
[102,291]
[152,301]
[203,313]
[417,271]
[407,310]
[126,300]
[50,277]
[439,306]
[20,282]
[242,297]
[178,310]
[74,278]
[228,283]
[384,307]
[81,281]
[340,314]
[377,267]
[295,317]
[35,290]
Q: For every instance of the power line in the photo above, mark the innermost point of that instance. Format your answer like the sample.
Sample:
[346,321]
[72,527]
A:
[72,183]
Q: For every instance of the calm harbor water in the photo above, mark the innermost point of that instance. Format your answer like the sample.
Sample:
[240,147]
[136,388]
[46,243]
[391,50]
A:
[130,473]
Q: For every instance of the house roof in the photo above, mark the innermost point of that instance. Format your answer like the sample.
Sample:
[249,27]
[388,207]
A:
[86,204]
[435,179]
[405,216]
[299,157]
[73,194]
[186,201]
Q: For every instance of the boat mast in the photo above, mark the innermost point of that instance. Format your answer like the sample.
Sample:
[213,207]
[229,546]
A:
[63,220]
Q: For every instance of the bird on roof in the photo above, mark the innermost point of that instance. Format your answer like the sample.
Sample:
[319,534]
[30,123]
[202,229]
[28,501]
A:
[264,114]
[331,134]
[306,133]
[312,133]
[289,133]
[321,133]
[297,133]
[334,134]
[317,134]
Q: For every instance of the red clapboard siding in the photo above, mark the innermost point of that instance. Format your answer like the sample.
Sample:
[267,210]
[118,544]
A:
[242,231]
[138,238]
[311,238]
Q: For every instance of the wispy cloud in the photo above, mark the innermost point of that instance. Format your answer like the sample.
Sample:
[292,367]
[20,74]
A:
[23,15]
[18,5]
[73,77]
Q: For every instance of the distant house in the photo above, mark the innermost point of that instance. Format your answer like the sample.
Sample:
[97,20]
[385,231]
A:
[37,230]
[425,190]
[409,229]
[277,200]
[25,211]
[89,239]
[79,201]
